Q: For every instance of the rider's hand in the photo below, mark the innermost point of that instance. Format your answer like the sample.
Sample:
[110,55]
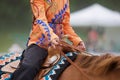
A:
[54,42]
[81,46]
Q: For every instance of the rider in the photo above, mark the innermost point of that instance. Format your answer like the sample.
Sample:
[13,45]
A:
[50,24]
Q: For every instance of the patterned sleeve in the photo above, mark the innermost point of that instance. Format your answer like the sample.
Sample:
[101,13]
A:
[40,19]
[68,30]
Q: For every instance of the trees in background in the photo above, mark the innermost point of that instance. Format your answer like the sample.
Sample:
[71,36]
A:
[17,14]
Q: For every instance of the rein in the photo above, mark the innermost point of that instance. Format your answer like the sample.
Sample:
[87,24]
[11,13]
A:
[70,61]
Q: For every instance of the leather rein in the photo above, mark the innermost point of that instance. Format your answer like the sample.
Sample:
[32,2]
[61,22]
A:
[71,62]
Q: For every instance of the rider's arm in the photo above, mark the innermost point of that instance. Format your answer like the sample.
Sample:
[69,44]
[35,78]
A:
[72,36]
[38,10]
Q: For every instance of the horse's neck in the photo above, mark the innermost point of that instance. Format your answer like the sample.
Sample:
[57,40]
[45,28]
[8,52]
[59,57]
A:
[103,64]
[93,64]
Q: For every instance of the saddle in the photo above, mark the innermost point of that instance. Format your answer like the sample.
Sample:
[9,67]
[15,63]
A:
[54,54]
[63,47]
[49,62]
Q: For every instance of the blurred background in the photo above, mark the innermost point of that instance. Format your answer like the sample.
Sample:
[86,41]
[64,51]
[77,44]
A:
[97,22]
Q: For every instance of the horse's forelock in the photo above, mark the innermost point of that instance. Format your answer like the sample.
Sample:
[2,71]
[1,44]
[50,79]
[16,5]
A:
[99,65]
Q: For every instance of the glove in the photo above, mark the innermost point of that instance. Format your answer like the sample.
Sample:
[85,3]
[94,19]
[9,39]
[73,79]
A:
[81,46]
[54,42]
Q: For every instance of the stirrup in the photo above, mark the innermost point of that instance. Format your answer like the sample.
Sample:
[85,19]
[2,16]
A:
[49,67]
[51,61]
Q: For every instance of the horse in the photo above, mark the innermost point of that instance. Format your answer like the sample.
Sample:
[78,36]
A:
[102,67]
[91,67]
[85,66]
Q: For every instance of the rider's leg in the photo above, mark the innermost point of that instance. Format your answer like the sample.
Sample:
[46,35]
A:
[30,65]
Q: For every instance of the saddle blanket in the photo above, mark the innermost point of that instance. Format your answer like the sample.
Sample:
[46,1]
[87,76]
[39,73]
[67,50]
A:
[53,74]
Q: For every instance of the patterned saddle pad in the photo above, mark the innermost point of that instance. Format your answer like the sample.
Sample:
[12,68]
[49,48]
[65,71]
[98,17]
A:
[6,59]
[57,69]
[53,74]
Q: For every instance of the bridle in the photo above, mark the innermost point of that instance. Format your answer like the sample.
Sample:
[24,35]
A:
[71,62]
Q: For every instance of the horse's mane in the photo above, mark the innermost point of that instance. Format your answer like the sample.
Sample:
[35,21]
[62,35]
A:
[99,65]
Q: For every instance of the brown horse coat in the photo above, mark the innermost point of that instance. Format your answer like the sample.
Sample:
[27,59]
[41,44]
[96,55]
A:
[104,67]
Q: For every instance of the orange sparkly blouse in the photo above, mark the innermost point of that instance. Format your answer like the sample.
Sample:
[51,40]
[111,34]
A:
[51,20]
